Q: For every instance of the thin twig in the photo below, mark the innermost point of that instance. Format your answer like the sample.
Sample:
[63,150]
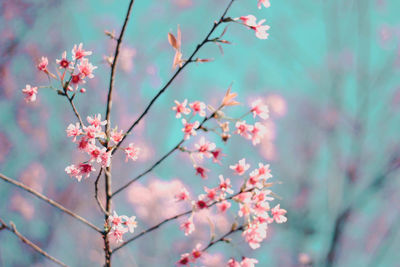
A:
[158,162]
[25,240]
[223,238]
[96,189]
[50,201]
[162,90]
[70,100]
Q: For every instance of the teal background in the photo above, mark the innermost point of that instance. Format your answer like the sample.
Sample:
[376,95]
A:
[326,59]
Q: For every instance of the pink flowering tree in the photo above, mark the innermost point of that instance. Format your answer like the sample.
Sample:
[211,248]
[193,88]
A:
[247,192]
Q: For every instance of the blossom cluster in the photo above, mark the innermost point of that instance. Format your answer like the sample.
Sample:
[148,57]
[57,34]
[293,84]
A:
[70,72]
[119,225]
[253,201]
[86,137]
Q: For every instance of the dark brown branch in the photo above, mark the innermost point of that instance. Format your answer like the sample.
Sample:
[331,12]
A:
[11,228]
[223,238]
[107,172]
[50,201]
[162,90]
[71,101]
[158,162]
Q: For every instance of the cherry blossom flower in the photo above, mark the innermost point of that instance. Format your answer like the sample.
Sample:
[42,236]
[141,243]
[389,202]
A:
[255,233]
[73,171]
[30,93]
[188,226]
[189,128]
[204,148]
[217,155]
[86,68]
[223,206]
[241,167]
[86,169]
[248,262]
[201,171]
[258,132]
[78,52]
[117,233]
[184,260]
[265,3]
[212,193]
[84,142]
[248,20]
[259,109]
[42,65]
[264,171]
[201,204]
[278,214]
[243,129]
[182,195]
[196,252]
[233,263]
[74,130]
[105,158]
[198,108]
[92,131]
[116,137]
[63,62]
[132,152]
[76,80]
[130,222]
[225,184]
[115,220]
[181,108]
[96,120]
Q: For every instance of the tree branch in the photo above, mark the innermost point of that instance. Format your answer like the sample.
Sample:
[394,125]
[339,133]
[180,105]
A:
[25,240]
[50,201]
[107,171]
[162,90]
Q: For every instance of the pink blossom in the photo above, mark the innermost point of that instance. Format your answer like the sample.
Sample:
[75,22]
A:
[196,252]
[223,206]
[182,195]
[63,62]
[225,184]
[248,262]
[265,3]
[264,171]
[74,130]
[181,108]
[198,108]
[86,169]
[92,131]
[201,204]
[132,152]
[217,155]
[212,193]
[258,132]
[259,109]
[201,171]
[233,263]
[241,167]
[76,80]
[130,222]
[96,120]
[30,93]
[116,137]
[42,65]
[255,233]
[73,171]
[84,142]
[248,20]
[78,52]
[184,260]
[261,30]
[115,220]
[86,68]
[117,233]
[243,129]
[204,148]
[244,209]
[105,158]
[278,214]
[189,128]
[188,226]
